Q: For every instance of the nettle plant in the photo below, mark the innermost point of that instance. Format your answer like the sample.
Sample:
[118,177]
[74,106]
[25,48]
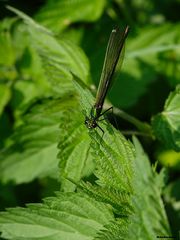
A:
[123,198]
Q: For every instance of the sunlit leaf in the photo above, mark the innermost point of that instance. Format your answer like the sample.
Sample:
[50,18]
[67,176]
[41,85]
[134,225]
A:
[57,15]
[34,151]
[166,124]
[74,149]
[125,182]
[68,216]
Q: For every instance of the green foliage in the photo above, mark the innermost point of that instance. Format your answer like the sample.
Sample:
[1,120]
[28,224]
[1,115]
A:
[130,189]
[150,221]
[33,151]
[166,124]
[72,212]
[28,147]
[107,188]
[75,159]
[66,216]
[113,156]
[58,15]
[58,56]
[172,198]
[152,51]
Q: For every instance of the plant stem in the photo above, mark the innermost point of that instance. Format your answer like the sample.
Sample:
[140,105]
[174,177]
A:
[142,126]
[132,132]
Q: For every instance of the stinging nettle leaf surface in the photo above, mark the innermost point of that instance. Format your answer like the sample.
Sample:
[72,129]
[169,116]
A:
[166,125]
[33,152]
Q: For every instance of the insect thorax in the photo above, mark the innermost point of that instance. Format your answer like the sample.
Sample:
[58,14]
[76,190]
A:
[90,123]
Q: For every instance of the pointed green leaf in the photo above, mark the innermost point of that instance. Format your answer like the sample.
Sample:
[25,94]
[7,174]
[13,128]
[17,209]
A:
[113,156]
[59,57]
[166,124]
[148,219]
[75,159]
[130,187]
[34,150]
[68,216]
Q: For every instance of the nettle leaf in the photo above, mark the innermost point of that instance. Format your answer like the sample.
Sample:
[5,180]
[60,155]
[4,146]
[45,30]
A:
[113,156]
[67,216]
[110,145]
[58,63]
[75,159]
[148,219]
[125,184]
[57,15]
[166,125]
[125,181]
[149,214]
[59,57]
[25,93]
[34,150]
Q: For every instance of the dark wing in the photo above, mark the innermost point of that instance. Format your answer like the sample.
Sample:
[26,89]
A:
[113,51]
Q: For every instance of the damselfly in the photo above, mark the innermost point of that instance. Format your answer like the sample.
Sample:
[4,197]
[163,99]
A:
[113,52]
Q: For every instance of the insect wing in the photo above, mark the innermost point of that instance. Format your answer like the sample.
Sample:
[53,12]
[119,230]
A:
[113,52]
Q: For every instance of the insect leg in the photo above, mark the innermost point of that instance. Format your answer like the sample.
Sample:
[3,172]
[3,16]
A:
[106,111]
